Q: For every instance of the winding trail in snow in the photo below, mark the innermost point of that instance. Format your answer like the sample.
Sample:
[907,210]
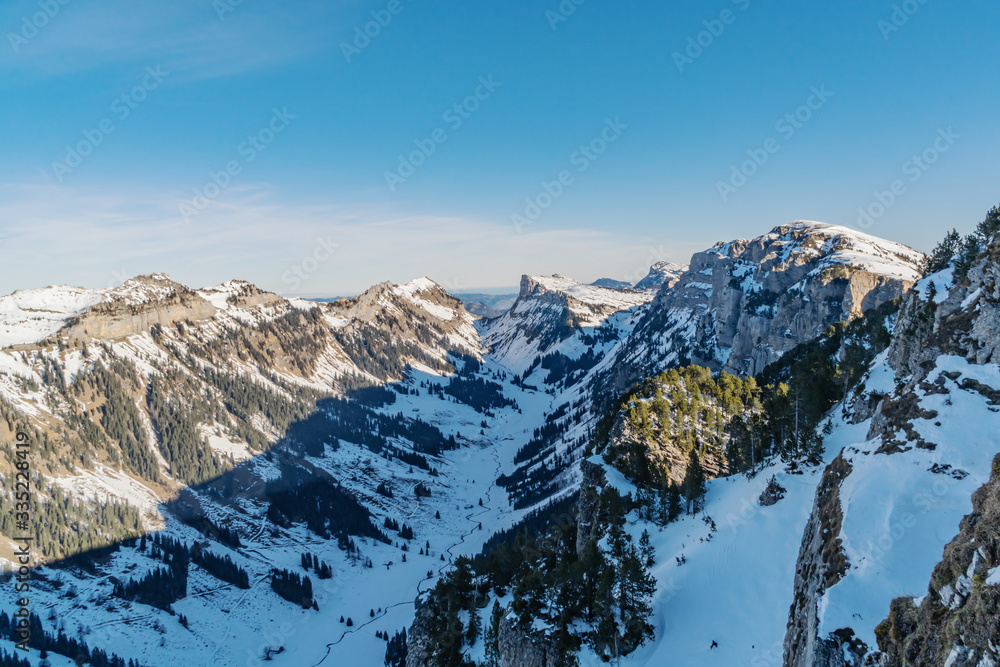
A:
[485,509]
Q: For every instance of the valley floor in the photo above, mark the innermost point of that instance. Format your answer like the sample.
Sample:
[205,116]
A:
[229,626]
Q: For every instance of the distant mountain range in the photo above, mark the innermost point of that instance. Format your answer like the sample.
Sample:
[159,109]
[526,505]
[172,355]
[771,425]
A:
[797,421]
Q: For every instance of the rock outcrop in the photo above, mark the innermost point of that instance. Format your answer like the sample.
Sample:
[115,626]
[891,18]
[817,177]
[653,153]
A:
[665,454]
[821,564]
[952,625]
[520,649]
[138,306]
[418,643]
[743,304]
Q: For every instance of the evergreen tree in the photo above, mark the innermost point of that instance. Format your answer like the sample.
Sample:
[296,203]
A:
[943,253]
[493,637]
[988,228]
[646,549]
[396,650]
[694,483]
[675,506]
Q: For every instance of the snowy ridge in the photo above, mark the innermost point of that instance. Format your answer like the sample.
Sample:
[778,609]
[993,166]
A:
[781,286]
[600,299]
[550,310]
[28,316]
[901,509]
[144,289]
[836,245]
[662,273]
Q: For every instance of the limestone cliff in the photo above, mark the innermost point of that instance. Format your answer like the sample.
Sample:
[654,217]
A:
[942,355]
[138,306]
[743,304]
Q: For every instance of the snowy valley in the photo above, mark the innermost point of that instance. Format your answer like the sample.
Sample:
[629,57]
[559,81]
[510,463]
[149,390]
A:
[224,476]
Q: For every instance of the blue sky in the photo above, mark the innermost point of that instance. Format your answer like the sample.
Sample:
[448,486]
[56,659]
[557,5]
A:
[168,100]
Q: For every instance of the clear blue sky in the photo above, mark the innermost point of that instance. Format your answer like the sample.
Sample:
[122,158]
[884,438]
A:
[221,69]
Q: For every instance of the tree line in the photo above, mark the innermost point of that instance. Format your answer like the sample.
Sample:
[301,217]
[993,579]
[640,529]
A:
[59,643]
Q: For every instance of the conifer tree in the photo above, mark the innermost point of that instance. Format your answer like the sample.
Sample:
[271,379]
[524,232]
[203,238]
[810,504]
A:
[694,483]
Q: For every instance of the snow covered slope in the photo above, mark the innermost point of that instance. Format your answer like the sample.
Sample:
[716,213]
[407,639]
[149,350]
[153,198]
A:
[734,584]
[28,316]
[392,395]
[901,492]
[662,273]
[550,310]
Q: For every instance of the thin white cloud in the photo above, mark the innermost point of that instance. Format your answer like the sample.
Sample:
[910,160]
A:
[185,36]
[88,236]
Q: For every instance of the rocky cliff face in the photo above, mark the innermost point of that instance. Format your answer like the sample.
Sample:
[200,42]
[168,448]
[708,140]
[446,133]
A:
[520,649]
[137,307]
[930,441]
[957,623]
[664,453]
[548,311]
[589,505]
[418,648]
[515,647]
[743,304]
[821,564]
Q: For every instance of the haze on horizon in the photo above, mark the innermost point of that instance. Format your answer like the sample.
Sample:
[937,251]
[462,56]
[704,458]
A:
[218,140]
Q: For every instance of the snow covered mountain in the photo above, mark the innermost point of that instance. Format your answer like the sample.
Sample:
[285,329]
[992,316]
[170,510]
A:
[367,444]
[552,312]
[738,307]
[741,305]
[661,273]
[791,563]
[205,416]
[894,500]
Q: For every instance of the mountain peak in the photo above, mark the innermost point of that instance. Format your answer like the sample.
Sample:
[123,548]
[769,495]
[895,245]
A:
[145,288]
[662,273]
[588,294]
[806,240]
[420,285]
